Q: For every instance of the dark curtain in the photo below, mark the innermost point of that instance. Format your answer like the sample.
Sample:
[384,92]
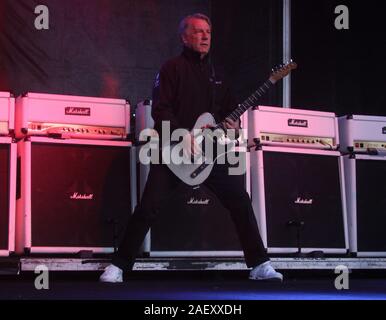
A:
[248,43]
[108,48]
[339,70]
[114,48]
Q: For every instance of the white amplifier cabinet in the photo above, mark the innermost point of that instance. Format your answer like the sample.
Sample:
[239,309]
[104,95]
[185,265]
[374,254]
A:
[278,126]
[72,117]
[75,194]
[8,164]
[299,200]
[143,118]
[362,134]
[7,113]
[366,204]
[189,222]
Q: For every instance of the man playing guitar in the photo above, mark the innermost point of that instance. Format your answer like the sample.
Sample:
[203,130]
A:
[186,87]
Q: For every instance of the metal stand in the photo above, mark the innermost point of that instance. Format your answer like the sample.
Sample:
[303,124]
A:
[298,225]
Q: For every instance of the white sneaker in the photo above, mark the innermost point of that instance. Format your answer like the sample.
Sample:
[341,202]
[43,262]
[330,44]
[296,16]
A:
[112,274]
[265,271]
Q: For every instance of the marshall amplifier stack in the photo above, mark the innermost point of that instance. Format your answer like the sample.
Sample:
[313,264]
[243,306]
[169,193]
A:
[363,141]
[8,165]
[297,181]
[77,183]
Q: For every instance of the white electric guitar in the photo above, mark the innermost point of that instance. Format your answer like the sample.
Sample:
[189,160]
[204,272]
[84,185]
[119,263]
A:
[196,169]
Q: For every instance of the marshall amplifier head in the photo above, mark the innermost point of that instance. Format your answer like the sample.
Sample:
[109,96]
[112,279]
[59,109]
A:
[72,117]
[275,126]
[363,134]
[7,113]
[75,195]
[8,163]
[298,197]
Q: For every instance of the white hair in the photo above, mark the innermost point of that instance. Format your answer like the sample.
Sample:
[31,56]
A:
[185,22]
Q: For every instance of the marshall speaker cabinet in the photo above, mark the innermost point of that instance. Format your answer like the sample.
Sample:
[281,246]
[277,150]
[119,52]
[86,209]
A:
[366,204]
[195,224]
[7,195]
[75,195]
[299,199]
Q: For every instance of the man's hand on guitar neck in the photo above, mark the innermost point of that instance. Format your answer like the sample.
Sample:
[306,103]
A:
[228,123]
[232,124]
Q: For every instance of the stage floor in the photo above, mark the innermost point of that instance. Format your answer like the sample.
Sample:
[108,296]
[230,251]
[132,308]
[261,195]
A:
[200,285]
[192,279]
[208,264]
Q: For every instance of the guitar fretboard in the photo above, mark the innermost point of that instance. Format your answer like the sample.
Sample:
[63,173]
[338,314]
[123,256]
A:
[248,103]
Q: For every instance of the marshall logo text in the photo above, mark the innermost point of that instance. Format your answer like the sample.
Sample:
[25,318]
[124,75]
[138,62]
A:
[196,201]
[79,196]
[299,200]
[77,111]
[298,123]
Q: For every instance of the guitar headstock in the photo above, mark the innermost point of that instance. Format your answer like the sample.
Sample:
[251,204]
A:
[282,71]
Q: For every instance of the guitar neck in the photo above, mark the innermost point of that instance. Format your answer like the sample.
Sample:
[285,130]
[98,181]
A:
[248,103]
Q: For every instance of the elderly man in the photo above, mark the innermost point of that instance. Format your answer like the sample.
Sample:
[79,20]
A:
[187,86]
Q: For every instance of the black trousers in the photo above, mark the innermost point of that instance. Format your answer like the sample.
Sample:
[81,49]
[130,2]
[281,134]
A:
[159,190]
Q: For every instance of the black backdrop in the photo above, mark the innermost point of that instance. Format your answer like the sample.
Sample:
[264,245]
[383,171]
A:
[108,48]
[340,70]
[114,48]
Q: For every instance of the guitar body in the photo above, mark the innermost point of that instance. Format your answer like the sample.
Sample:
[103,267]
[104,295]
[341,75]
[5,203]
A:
[203,120]
[193,173]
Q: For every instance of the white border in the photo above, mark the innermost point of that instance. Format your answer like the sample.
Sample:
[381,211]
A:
[11,182]
[202,254]
[12,196]
[60,97]
[80,141]
[306,250]
[71,249]
[301,151]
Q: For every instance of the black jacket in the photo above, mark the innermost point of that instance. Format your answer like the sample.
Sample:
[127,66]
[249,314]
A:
[186,87]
